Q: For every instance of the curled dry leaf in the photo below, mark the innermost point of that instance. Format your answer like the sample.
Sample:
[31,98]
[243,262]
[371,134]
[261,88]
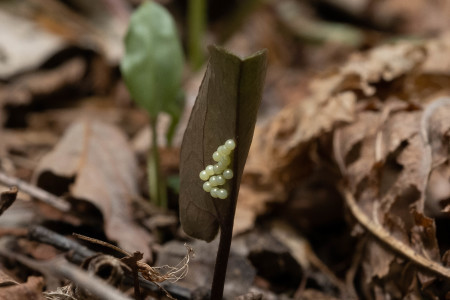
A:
[98,160]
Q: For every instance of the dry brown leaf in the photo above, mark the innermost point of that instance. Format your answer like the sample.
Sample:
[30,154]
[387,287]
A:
[99,160]
[42,83]
[12,290]
[414,16]
[23,45]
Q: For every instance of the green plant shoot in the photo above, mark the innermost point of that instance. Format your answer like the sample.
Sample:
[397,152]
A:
[152,70]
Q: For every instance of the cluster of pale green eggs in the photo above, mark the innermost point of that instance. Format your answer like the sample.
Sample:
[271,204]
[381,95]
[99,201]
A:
[217,175]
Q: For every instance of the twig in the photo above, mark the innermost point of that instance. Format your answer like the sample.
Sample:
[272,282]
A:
[61,268]
[384,236]
[79,253]
[43,235]
[132,262]
[7,199]
[35,192]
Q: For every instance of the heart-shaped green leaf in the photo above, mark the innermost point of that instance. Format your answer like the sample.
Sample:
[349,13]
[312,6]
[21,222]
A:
[153,63]
[226,108]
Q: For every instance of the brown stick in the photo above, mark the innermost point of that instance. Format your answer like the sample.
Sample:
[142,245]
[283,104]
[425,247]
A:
[35,192]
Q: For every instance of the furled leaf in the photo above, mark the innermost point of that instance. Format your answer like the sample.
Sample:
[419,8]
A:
[153,63]
[226,108]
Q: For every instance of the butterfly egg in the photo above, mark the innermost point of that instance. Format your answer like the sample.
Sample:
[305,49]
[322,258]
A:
[222,193]
[225,161]
[207,187]
[220,180]
[216,156]
[219,167]
[214,192]
[224,151]
[227,174]
[204,175]
[213,181]
[209,170]
[230,144]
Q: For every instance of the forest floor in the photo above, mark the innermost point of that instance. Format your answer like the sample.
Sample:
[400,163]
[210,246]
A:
[346,190]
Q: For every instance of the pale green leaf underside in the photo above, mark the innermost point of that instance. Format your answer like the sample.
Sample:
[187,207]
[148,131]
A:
[226,108]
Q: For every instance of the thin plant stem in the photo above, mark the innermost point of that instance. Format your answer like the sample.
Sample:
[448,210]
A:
[157,187]
[226,222]
[197,24]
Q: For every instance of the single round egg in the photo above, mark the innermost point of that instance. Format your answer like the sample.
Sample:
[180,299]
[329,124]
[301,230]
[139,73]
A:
[219,167]
[220,180]
[204,175]
[214,192]
[227,174]
[213,181]
[225,161]
[207,187]
[216,156]
[230,144]
[224,151]
[209,170]
[222,193]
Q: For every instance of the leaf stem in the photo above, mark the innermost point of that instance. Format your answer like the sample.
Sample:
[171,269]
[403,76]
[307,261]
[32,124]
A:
[226,222]
[156,185]
[197,21]
[220,269]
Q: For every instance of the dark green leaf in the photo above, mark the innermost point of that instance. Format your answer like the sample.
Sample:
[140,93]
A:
[226,108]
[153,63]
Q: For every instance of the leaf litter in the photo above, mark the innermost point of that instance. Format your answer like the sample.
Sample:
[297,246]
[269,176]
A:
[359,158]
[387,129]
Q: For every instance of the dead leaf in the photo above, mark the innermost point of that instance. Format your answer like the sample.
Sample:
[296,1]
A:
[7,199]
[11,290]
[98,160]
[15,57]
[43,83]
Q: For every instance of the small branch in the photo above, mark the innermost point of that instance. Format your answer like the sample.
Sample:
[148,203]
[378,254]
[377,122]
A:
[35,192]
[384,236]
[7,199]
[62,269]
[132,263]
